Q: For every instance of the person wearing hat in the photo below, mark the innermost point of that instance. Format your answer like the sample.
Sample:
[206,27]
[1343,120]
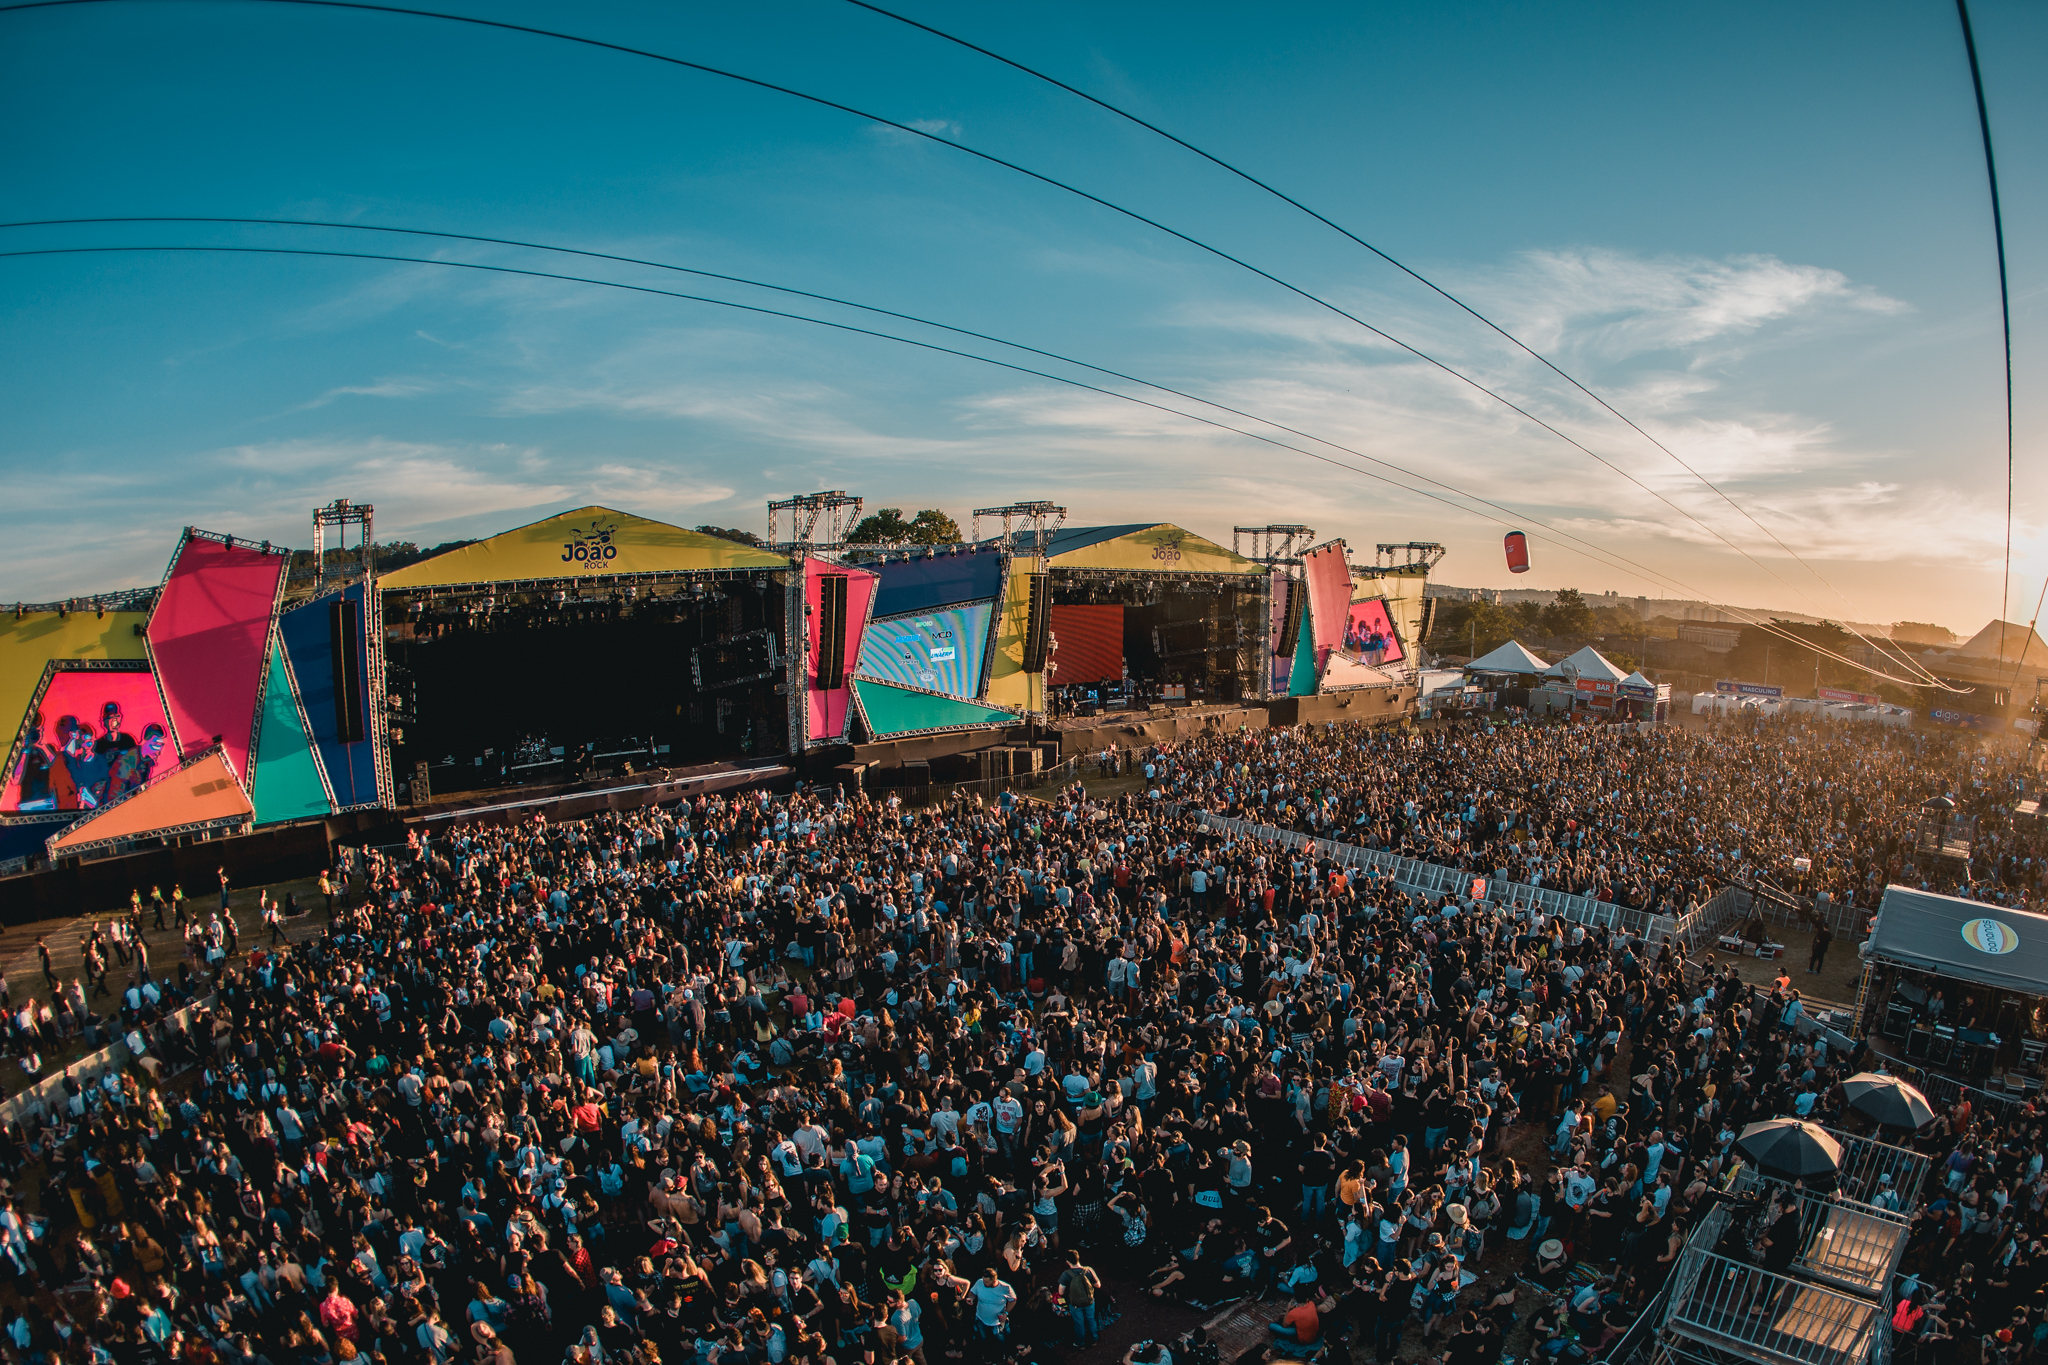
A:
[1465,1240]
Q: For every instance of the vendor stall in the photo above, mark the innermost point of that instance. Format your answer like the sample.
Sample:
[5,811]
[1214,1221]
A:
[1958,987]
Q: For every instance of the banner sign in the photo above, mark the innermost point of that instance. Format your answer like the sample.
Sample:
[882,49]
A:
[1843,694]
[1965,720]
[1599,686]
[1746,689]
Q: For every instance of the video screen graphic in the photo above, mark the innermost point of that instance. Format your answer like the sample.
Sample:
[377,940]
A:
[939,651]
[93,737]
[1091,640]
[1369,635]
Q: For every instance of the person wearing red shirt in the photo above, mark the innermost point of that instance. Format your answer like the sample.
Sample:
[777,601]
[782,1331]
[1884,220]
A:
[1302,1328]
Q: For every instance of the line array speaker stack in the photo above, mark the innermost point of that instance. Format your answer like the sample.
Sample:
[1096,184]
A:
[1290,632]
[1038,626]
[345,636]
[832,631]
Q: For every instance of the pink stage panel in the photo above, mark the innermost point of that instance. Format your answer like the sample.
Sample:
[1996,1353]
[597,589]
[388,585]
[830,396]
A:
[209,638]
[829,707]
[1329,596]
[93,737]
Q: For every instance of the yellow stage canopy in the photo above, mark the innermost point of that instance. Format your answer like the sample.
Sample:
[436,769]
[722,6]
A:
[1159,548]
[27,645]
[590,542]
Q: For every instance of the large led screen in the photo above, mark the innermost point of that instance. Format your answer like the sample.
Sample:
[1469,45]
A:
[938,651]
[1369,635]
[1091,645]
[93,736]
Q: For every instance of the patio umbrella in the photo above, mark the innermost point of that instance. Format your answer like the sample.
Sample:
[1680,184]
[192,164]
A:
[1792,1149]
[1887,1099]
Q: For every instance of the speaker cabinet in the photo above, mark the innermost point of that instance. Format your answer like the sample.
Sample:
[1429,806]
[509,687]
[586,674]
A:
[832,631]
[1290,631]
[1038,626]
[345,639]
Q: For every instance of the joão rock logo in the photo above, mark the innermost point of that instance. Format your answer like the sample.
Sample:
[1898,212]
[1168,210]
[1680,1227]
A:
[592,548]
[1168,549]
[1990,936]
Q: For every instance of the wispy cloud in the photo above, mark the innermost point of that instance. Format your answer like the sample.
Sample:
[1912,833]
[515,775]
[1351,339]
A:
[383,388]
[1615,305]
[932,127]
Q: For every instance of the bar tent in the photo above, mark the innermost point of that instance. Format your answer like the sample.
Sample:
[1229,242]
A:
[1992,945]
[1512,657]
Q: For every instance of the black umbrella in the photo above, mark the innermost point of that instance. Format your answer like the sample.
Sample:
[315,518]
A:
[1792,1149]
[1887,1099]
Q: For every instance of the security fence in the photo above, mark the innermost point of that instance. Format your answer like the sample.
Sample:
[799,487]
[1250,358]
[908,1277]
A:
[1416,874]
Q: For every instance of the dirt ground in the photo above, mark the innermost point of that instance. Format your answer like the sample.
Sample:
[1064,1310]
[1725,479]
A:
[1834,985]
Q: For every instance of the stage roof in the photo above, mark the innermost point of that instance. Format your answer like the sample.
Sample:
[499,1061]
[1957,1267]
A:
[590,542]
[1970,940]
[2007,643]
[1158,547]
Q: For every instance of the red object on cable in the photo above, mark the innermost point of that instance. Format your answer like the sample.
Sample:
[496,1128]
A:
[1517,546]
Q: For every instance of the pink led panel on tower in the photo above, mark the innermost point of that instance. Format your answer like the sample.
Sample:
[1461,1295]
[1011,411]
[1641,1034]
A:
[209,638]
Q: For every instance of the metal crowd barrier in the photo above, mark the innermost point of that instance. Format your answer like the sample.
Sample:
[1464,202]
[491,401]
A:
[1415,874]
[1736,1306]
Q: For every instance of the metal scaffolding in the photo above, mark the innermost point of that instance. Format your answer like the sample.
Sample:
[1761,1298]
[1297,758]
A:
[342,514]
[1033,523]
[838,510]
[1408,554]
[1274,544]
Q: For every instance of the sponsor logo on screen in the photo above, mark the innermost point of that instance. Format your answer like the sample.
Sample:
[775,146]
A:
[591,548]
[941,655]
[1990,936]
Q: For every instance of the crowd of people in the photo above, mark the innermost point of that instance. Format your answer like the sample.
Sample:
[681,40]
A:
[1655,818]
[830,1078]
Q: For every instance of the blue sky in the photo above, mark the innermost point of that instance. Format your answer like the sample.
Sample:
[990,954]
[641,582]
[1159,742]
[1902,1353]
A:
[1762,231]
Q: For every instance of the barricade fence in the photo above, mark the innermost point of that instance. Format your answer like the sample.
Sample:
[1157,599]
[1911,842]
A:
[1415,874]
[1059,775]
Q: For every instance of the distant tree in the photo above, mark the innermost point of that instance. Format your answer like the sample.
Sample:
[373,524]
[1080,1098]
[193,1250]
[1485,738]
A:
[887,526]
[1568,617]
[391,554]
[1469,628]
[1769,656]
[883,526]
[1922,633]
[933,527]
[1528,616]
[730,533]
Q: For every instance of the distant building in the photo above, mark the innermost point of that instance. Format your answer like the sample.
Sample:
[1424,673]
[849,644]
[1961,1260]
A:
[1710,637]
